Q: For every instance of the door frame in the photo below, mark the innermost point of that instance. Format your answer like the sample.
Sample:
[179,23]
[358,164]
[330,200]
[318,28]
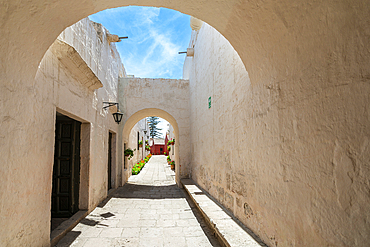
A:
[85,151]
[72,174]
[112,144]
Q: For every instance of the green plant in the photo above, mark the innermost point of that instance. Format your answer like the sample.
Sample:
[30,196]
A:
[137,168]
[140,142]
[169,148]
[168,158]
[172,165]
[129,152]
[140,165]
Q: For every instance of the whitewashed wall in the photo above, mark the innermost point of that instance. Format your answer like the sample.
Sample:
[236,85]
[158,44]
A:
[171,136]
[140,153]
[59,89]
[291,163]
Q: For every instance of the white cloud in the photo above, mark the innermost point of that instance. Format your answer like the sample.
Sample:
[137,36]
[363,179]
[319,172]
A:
[154,39]
[147,15]
[160,57]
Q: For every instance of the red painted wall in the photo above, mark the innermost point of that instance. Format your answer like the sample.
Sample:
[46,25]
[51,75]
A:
[156,149]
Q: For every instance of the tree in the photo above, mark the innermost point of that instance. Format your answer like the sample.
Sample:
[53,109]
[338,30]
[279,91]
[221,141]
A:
[154,130]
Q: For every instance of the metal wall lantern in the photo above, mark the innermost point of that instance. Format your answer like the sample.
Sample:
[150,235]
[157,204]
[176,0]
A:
[117,116]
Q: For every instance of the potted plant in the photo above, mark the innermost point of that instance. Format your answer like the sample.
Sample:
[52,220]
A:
[129,153]
[168,148]
[147,147]
[172,165]
[171,142]
[146,142]
[168,160]
[140,144]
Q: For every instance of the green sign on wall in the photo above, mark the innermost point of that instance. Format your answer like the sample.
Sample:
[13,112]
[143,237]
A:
[209,102]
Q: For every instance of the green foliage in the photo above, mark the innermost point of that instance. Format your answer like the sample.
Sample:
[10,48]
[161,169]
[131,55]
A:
[140,142]
[140,165]
[169,148]
[154,130]
[129,152]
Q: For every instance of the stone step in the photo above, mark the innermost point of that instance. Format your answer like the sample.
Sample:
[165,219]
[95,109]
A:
[228,229]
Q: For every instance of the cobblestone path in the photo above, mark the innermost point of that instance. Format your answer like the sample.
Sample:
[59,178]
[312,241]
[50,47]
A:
[150,210]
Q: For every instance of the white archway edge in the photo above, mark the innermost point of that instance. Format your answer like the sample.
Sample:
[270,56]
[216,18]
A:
[148,112]
[308,60]
[165,98]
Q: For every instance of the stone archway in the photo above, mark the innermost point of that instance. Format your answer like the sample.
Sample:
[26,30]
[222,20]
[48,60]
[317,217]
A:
[313,56]
[182,144]
[165,98]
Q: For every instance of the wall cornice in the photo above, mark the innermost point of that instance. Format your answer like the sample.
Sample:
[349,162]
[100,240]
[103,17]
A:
[72,60]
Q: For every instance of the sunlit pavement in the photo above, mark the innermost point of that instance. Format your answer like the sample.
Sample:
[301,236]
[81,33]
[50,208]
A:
[150,210]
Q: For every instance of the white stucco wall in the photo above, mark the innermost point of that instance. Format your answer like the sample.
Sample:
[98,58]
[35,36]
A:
[140,153]
[291,163]
[74,100]
[58,89]
[171,136]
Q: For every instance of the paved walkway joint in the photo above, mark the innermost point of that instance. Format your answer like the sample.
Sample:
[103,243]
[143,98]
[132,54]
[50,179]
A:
[150,210]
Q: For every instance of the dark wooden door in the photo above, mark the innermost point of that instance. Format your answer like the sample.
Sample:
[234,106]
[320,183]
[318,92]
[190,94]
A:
[66,170]
[110,161]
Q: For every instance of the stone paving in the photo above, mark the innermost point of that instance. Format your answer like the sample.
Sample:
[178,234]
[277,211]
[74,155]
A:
[150,210]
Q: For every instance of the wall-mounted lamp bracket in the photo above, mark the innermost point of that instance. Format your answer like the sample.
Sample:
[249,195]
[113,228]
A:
[110,104]
[117,116]
[189,52]
[115,38]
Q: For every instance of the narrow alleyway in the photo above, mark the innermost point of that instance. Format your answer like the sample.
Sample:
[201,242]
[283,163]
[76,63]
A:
[150,210]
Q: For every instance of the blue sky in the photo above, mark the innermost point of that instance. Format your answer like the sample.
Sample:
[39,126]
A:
[156,35]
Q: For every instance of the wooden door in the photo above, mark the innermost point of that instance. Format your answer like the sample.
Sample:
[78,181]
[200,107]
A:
[110,161]
[66,170]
